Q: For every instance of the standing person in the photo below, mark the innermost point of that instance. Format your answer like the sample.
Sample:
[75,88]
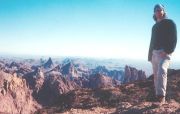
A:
[162,45]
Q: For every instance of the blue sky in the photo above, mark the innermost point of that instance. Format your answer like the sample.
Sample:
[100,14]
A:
[88,28]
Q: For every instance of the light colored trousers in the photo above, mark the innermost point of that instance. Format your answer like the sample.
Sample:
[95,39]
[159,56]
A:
[160,66]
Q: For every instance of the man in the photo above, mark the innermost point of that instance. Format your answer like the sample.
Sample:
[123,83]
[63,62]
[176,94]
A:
[162,45]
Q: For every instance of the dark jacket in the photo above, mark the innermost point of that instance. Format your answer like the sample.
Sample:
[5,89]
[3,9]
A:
[164,36]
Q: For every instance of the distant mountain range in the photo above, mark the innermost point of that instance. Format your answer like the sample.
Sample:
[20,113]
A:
[30,85]
[71,69]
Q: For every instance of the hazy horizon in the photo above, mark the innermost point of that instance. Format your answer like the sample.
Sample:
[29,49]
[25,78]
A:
[112,63]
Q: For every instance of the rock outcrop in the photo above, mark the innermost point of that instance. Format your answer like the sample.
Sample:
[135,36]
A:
[53,86]
[69,70]
[48,87]
[48,64]
[102,81]
[131,74]
[15,96]
[115,74]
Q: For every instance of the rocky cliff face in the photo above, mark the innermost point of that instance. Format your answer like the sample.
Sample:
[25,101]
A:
[15,96]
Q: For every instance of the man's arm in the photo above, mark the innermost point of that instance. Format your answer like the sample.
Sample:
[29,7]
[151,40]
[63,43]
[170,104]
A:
[150,47]
[171,37]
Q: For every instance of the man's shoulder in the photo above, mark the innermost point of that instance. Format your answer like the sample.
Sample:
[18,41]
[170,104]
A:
[168,21]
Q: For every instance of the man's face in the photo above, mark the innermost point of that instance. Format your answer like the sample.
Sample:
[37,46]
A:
[159,13]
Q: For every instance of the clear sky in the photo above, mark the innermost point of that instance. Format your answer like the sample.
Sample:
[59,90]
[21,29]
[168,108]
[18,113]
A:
[88,28]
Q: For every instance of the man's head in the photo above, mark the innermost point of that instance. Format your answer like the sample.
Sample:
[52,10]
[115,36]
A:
[159,12]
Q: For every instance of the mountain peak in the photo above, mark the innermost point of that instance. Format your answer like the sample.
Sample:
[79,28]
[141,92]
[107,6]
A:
[69,70]
[49,63]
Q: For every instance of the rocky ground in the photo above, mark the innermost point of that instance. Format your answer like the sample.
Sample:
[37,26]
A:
[132,98]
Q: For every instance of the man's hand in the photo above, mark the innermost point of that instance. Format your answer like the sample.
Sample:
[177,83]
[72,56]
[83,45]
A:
[163,54]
